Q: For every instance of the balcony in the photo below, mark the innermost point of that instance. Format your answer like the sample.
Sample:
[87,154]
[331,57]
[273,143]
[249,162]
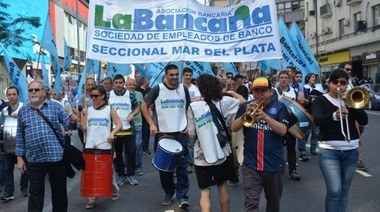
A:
[353,2]
[325,11]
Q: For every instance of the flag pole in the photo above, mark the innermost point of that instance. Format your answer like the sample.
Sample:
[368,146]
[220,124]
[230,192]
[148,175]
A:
[77,17]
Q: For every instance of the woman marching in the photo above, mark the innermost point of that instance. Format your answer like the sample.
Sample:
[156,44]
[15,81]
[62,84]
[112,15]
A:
[337,157]
[97,121]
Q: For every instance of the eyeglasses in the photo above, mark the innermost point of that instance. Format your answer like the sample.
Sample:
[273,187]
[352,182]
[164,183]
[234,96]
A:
[32,90]
[341,82]
[348,69]
[94,96]
[231,84]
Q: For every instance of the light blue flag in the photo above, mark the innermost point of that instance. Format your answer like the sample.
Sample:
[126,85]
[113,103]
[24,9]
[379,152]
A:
[67,59]
[48,43]
[45,74]
[199,68]
[157,71]
[230,67]
[18,79]
[141,70]
[304,48]
[81,83]
[290,53]
[93,66]
[266,65]
[114,68]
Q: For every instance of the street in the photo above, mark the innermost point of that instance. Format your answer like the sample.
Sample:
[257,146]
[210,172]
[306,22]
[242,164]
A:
[305,195]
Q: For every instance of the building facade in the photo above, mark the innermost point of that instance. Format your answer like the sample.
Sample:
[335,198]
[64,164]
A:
[345,30]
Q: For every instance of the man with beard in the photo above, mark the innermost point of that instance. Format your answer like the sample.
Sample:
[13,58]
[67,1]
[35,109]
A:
[171,101]
[38,143]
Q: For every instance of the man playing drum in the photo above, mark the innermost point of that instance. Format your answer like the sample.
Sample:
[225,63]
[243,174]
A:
[10,112]
[285,89]
[171,101]
[126,106]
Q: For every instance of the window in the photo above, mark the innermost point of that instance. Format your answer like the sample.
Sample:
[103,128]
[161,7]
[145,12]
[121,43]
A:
[358,16]
[341,28]
[376,15]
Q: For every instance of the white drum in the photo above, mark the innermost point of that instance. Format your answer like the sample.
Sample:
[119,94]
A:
[8,135]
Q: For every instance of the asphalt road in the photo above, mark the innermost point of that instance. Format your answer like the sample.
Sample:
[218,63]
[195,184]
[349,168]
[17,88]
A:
[298,196]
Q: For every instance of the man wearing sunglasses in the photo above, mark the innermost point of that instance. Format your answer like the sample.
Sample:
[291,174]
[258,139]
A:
[39,144]
[352,82]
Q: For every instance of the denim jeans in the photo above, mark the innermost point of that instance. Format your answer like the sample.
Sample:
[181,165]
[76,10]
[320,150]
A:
[138,138]
[190,147]
[313,142]
[2,169]
[10,161]
[338,169]
[166,178]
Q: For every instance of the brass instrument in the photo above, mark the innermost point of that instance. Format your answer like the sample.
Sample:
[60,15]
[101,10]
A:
[356,98]
[248,119]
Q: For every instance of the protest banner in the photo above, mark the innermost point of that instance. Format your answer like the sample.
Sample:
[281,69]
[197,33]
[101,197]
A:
[143,31]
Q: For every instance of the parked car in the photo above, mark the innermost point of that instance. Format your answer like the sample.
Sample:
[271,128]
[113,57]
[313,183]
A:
[374,90]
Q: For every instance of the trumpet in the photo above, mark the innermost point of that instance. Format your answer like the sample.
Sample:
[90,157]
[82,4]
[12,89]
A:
[248,119]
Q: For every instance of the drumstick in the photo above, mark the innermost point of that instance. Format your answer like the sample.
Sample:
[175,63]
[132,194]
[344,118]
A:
[100,143]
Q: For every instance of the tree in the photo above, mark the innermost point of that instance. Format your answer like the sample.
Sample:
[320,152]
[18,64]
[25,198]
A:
[12,30]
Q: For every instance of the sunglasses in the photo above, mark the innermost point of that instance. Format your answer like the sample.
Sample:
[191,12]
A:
[32,90]
[347,69]
[341,82]
[94,96]
[231,84]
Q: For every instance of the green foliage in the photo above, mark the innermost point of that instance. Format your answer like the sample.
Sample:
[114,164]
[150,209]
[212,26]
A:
[12,30]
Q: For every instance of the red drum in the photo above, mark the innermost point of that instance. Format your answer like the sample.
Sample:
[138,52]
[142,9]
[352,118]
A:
[305,120]
[96,180]
[168,155]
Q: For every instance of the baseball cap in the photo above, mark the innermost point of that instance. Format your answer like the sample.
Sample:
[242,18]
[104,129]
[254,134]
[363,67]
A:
[238,76]
[261,83]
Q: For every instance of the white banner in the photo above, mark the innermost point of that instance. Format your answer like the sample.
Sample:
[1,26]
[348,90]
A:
[141,31]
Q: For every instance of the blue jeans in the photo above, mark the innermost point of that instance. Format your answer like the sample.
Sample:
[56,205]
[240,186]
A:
[313,142]
[166,178]
[139,141]
[10,161]
[190,147]
[338,169]
[2,169]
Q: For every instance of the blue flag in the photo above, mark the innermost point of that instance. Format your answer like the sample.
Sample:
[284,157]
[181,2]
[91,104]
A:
[45,74]
[48,43]
[157,71]
[230,67]
[67,59]
[93,66]
[266,65]
[290,53]
[304,48]
[80,90]
[114,68]
[141,70]
[199,68]
[18,79]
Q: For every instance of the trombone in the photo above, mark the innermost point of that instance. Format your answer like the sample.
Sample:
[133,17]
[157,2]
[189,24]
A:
[356,98]
[249,118]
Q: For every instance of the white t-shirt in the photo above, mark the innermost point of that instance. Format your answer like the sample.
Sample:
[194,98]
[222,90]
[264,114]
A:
[193,91]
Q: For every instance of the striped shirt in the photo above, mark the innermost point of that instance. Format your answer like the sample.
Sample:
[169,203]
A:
[35,139]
